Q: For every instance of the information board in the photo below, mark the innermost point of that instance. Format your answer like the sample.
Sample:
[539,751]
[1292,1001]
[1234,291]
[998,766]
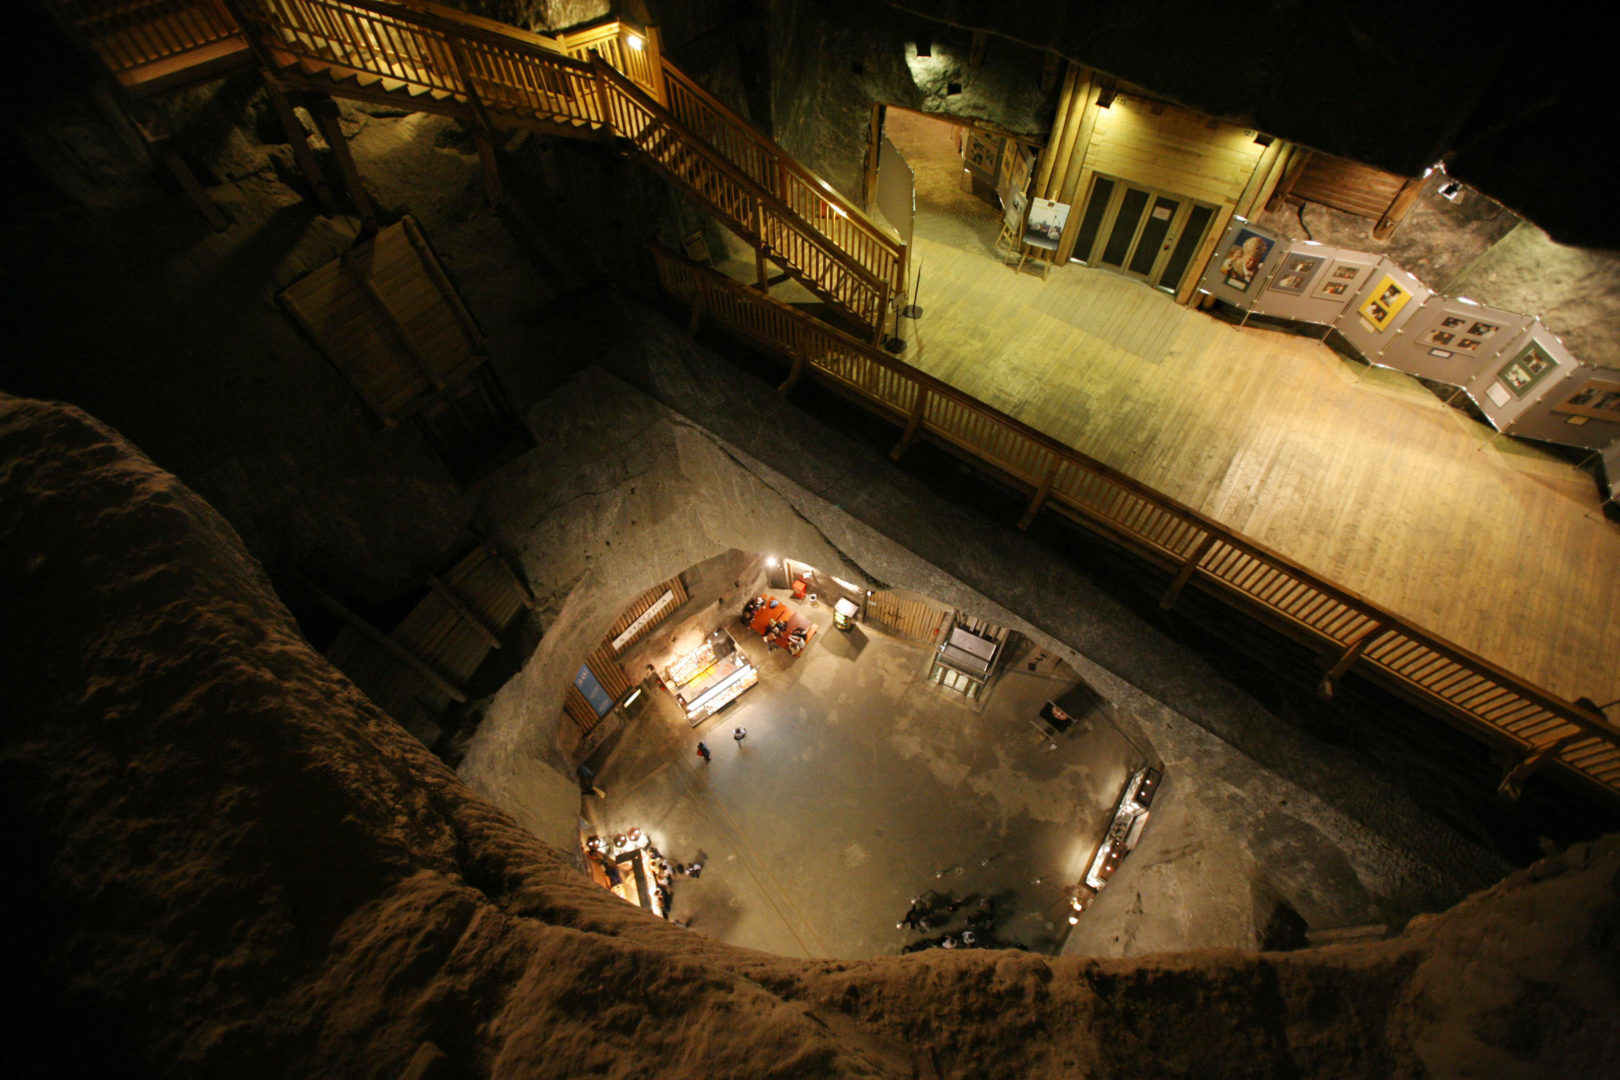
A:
[1582,409]
[1387,300]
[1451,339]
[1304,288]
[1521,375]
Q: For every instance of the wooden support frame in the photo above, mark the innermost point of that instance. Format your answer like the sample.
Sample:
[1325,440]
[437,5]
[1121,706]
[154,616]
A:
[413,349]
[1347,659]
[299,137]
[795,373]
[473,620]
[525,597]
[1530,762]
[388,644]
[1189,565]
[913,424]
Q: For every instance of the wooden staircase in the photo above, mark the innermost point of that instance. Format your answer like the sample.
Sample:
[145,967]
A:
[609,82]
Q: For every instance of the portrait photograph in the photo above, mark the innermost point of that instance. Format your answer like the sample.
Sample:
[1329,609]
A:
[1440,337]
[1451,322]
[1244,259]
[1468,343]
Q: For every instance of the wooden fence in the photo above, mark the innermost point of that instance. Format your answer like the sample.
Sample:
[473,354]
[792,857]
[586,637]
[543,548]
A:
[907,615]
[1536,728]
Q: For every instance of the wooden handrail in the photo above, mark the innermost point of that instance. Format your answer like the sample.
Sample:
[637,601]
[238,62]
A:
[791,165]
[1491,701]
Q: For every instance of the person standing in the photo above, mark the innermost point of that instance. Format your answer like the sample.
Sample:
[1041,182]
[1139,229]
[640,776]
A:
[740,734]
[703,752]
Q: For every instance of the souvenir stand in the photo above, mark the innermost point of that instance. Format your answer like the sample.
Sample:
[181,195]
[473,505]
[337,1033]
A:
[1451,338]
[629,867]
[1509,386]
[1388,298]
[1243,262]
[710,677]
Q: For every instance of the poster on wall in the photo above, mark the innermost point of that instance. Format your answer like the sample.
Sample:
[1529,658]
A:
[1046,221]
[1296,274]
[982,153]
[1242,261]
[1384,303]
[585,682]
[1520,374]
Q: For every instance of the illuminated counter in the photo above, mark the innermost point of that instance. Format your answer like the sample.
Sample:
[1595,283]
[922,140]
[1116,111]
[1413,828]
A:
[1130,818]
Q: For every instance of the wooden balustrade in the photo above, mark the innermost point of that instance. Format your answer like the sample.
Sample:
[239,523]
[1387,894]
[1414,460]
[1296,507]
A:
[810,197]
[1536,728]
[128,35]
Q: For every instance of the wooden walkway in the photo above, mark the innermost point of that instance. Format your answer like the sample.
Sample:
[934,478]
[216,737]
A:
[1358,473]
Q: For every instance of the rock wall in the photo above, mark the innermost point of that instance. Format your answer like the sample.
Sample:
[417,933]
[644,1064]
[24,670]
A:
[223,861]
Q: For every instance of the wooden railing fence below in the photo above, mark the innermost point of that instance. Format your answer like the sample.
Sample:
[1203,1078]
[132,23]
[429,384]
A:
[1536,728]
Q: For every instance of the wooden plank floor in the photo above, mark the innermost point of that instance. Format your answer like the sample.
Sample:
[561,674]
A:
[1356,473]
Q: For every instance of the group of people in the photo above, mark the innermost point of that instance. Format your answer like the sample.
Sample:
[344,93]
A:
[663,875]
[931,911]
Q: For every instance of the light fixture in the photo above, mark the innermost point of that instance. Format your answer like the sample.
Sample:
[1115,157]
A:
[1106,98]
[633,41]
[633,695]
[925,47]
[1263,139]
[770,560]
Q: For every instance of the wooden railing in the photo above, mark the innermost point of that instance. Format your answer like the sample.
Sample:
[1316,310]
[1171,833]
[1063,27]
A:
[611,77]
[809,196]
[754,213]
[1536,728]
[127,35]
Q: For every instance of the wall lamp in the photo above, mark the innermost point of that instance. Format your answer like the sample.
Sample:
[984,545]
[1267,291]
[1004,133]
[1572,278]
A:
[1106,98]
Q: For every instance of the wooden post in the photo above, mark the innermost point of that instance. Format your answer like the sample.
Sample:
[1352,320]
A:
[467,614]
[1526,764]
[976,49]
[794,374]
[299,137]
[1347,659]
[1040,493]
[1184,575]
[1398,206]
[918,407]
[325,111]
[696,320]
[436,272]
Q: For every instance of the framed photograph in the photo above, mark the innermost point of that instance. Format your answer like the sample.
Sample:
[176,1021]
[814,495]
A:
[1468,343]
[1045,225]
[1296,274]
[1341,281]
[1451,322]
[1598,399]
[1243,261]
[1440,337]
[1525,370]
[1384,303]
[1482,330]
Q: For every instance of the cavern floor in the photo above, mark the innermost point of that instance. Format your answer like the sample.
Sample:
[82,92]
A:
[1358,473]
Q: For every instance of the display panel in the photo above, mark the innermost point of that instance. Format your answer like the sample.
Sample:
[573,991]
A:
[1451,340]
[1244,260]
[1313,282]
[1517,389]
[1388,299]
[1045,225]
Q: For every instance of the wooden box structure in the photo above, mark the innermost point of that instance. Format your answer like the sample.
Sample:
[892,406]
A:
[387,317]
[417,670]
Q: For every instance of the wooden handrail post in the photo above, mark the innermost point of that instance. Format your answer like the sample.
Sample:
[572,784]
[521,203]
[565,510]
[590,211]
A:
[1185,573]
[486,126]
[918,407]
[1040,493]
[1526,764]
[1347,659]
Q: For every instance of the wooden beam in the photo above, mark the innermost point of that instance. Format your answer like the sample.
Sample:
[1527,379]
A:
[1050,64]
[1347,659]
[1398,206]
[525,597]
[1185,573]
[918,408]
[1040,493]
[794,375]
[489,168]
[1528,763]
[325,111]
[388,644]
[446,290]
[468,615]
[299,137]
[976,50]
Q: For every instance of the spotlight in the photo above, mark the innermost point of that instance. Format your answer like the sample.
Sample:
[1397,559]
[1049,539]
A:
[633,41]
[770,560]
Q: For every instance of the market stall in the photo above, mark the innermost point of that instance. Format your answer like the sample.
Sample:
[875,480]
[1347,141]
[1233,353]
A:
[710,677]
[631,868]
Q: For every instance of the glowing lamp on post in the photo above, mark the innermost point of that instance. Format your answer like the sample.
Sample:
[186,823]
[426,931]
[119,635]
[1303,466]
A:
[634,41]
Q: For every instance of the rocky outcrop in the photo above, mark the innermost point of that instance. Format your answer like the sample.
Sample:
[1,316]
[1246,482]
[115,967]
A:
[224,861]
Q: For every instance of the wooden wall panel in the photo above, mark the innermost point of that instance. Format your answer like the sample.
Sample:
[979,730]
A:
[639,606]
[1174,151]
[907,615]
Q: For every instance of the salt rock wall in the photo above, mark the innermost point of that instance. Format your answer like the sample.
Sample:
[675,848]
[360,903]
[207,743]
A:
[223,861]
